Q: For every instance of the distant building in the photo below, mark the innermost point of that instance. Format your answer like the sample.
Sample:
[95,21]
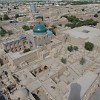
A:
[33,8]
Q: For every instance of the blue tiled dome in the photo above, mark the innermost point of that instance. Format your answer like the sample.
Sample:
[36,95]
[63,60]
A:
[39,29]
[49,32]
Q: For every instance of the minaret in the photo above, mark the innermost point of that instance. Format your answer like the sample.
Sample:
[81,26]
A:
[33,8]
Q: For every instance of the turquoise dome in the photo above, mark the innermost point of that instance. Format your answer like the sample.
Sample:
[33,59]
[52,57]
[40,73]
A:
[49,32]
[39,28]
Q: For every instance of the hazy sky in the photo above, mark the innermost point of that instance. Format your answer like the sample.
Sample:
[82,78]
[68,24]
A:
[47,0]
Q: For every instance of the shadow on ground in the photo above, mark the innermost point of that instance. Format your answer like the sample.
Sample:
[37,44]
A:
[75,92]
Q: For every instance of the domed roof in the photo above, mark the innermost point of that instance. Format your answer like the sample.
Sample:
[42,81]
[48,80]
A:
[49,32]
[39,28]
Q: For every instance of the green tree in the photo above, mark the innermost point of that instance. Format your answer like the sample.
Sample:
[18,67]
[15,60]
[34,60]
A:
[17,15]
[31,27]
[1,62]
[0,17]
[72,18]
[75,48]
[63,60]
[40,17]
[26,50]
[96,15]
[53,26]
[83,9]
[25,27]
[2,31]
[60,24]
[6,17]
[98,12]
[47,17]
[76,22]
[82,61]
[89,46]
[15,7]
[90,22]
[70,48]
[10,32]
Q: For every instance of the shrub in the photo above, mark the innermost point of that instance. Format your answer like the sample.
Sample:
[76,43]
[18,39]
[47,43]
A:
[26,50]
[70,48]
[75,48]
[82,61]
[76,22]
[5,17]
[40,17]
[2,31]
[60,24]
[15,7]
[31,27]
[90,22]
[1,62]
[25,27]
[10,32]
[98,12]
[83,9]
[47,17]
[0,17]
[17,15]
[96,15]
[89,46]
[53,26]
[63,60]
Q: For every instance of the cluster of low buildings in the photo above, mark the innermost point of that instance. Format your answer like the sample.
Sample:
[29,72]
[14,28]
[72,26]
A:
[32,67]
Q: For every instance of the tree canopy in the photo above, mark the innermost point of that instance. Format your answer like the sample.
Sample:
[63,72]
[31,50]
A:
[26,50]
[2,31]
[6,17]
[25,27]
[89,46]
[76,22]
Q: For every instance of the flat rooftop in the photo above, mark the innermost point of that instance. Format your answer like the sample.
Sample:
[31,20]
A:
[81,86]
[17,55]
[84,32]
